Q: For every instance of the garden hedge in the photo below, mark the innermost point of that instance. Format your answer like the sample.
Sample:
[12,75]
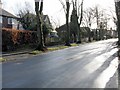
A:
[12,38]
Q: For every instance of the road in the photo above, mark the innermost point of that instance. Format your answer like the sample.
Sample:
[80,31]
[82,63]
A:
[90,65]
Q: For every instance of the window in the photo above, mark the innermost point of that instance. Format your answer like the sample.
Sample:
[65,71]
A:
[9,20]
[13,21]
[0,19]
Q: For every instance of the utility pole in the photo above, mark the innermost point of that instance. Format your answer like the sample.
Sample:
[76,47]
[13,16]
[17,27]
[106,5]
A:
[117,6]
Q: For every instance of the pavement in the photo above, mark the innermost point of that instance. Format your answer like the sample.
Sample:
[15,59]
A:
[92,65]
[21,54]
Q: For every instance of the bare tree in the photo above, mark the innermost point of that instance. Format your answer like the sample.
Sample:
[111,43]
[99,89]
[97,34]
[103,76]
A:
[55,22]
[78,7]
[98,16]
[74,24]
[113,17]
[66,8]
[26,16]
[39,25]
[104,24]
[88,19]
[27,19]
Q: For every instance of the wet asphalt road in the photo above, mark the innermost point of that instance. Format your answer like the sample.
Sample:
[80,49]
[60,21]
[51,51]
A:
[92,65]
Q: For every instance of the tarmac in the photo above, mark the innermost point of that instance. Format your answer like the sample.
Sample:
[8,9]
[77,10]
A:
[22,54]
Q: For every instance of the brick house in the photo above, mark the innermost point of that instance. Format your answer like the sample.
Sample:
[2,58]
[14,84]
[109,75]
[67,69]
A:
[8,20]
[85,31]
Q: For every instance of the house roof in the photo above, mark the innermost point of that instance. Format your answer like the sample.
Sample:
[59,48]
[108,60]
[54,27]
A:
[6,13]
[63,28]
[46,17]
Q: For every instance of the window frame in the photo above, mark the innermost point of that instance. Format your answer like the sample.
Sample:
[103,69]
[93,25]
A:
[1,19]
[10,21]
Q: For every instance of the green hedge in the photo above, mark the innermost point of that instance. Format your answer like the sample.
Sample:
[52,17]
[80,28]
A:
[12,38]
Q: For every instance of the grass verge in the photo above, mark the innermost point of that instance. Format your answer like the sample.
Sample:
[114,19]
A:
[53,48]
[2,59]
[35,52]
[74,44]
[56,48]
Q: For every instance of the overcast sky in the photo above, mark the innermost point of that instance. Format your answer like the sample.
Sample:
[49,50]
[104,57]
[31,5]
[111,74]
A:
[53,8]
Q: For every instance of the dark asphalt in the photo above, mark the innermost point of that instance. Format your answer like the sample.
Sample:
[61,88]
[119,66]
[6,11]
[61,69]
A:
[90,65]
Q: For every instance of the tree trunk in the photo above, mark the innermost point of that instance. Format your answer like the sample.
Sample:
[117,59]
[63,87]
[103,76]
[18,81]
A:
[79,30]
[67,42]
[75,37]
[96,34]
[89,35]
[79,34]
[44,39]
[39,27]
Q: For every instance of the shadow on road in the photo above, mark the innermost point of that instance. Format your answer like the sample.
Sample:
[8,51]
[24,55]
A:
[97,73]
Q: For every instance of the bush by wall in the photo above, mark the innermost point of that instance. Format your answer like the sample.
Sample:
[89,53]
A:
[12,38]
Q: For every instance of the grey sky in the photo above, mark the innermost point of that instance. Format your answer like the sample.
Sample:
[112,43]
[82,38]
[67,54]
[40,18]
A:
[53,7]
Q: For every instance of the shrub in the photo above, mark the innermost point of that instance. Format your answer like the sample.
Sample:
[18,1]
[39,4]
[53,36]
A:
[12,38]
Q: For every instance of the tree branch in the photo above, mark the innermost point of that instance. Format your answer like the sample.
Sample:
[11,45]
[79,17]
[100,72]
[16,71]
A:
[63,5]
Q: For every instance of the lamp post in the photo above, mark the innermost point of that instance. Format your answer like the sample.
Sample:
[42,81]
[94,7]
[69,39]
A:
[39,24]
